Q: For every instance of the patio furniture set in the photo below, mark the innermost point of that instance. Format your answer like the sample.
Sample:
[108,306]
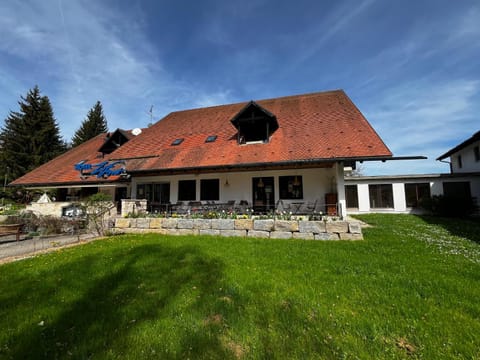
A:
[244,207]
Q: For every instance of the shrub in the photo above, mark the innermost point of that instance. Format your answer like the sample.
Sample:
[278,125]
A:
[11,209]
[449,206]
[97,208]
[45,224]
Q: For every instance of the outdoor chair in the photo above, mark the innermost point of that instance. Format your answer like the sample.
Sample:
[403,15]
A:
[309,207]
[228,206]
[282,207]
[179,208]
[211,205]
[242,207]
[231,205]
[195,206]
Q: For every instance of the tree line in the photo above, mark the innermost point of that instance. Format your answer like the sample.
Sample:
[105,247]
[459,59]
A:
[31,137]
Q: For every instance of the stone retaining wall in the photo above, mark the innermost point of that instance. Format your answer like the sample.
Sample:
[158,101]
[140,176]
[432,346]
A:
[130,206]
[50,208]
[273,229]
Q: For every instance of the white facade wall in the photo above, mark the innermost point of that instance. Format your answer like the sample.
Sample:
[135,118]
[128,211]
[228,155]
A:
[363,198]
[399,201]
[398,189]
[342,204]
[238,185]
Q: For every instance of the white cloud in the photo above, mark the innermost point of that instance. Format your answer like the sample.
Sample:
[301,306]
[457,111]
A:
[341,19]
[81,52]
[424,118]
[466,27]
[218,98]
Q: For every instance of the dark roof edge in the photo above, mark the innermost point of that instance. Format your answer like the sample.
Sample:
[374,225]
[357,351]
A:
[388,158]
[300,162]
[66,184]
[292,163]
[412,176]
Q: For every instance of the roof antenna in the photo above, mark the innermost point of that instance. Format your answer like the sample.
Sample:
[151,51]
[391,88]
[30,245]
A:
[150,112]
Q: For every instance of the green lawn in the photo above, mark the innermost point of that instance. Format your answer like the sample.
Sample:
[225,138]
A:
[411,290]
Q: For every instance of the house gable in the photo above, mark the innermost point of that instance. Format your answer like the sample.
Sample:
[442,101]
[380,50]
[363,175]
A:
[464,157]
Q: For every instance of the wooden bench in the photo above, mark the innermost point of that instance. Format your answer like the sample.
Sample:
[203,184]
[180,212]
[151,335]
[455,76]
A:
[10,229]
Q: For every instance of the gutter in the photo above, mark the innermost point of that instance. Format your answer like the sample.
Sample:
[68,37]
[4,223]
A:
[302,163]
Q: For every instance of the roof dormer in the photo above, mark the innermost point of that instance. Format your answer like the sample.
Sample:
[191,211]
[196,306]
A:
[254,124]
[114,140]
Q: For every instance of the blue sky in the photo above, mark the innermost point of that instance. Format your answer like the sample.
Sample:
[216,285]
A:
[411,67]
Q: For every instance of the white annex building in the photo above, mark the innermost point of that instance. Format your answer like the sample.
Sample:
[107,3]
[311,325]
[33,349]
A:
[404,193]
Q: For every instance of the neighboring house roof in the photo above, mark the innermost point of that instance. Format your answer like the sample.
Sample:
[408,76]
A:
[475,137]
[312,128]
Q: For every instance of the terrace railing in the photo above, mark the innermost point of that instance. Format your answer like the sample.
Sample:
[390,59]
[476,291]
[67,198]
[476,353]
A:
[309,207]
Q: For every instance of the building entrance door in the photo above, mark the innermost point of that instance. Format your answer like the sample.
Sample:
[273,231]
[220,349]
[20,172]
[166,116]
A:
[157,195]
[263,194]
[120,193]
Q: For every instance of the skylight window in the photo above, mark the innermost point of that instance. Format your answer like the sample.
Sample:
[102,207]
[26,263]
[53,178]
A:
[177,141]
[211,138]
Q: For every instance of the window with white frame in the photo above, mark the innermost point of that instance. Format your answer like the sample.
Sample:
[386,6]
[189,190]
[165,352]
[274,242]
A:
[381,196]
[416,193]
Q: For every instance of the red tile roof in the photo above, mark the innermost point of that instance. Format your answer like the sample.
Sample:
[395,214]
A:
[312,128]
[61,169]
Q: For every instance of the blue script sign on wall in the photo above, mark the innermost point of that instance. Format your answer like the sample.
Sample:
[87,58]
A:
[104,169]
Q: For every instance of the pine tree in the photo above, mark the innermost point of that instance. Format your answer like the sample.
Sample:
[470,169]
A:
[94,124]
[29,137]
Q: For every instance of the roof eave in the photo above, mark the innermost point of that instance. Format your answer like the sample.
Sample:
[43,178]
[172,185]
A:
[66,184]
[286,163]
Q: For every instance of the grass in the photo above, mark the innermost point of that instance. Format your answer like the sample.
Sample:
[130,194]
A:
[410,290]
